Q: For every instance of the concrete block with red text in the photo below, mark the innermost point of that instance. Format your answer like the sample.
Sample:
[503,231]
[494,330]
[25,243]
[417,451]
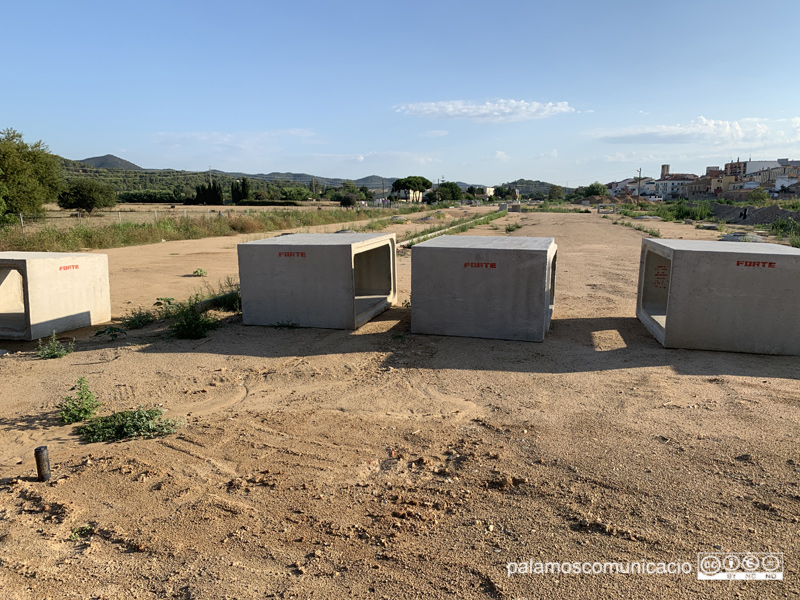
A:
[330,280]
[46,292]
[729,296]
[485,287]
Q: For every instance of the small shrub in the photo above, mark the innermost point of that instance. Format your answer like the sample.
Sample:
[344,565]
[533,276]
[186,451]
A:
[166,307]
[142,422]
[138,318]
[226,296]
[191,323]
[82,532]
[80,407]
[199,272]
[53,348]
[512,227]
[110,331]
[794,240]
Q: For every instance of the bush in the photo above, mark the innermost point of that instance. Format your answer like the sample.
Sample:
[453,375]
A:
[53,348]
[190,322]
[138,318]
[144,423]
[80,407]
[226,296]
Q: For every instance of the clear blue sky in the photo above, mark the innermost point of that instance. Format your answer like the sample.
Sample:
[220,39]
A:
[482,92]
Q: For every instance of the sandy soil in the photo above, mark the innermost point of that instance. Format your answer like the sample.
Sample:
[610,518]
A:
[334,464]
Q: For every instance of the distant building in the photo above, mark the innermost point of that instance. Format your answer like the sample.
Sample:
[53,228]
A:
[748,167]
[672,186]
[710,186]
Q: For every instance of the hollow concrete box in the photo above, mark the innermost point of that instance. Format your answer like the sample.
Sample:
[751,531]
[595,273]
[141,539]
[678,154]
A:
[43,292]
[729,296]
[485,287]
[330,280]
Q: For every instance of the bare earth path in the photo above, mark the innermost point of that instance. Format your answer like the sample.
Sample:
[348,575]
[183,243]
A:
[380,464]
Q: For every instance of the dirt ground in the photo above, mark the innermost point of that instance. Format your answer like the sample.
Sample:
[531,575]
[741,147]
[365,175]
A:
[381,464]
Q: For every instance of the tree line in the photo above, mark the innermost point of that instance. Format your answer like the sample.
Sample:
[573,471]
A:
[31,176]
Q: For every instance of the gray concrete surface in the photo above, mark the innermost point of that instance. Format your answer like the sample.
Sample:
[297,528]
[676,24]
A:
[330,280]
[43,292]
[485,287]
[735,297]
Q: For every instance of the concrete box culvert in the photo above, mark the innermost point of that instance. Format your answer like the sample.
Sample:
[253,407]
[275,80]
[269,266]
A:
[327,280]
[722,296]
[484,287]
[46,292]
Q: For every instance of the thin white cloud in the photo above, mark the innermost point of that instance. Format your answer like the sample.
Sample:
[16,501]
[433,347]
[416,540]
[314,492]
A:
[250,140]
[500,155]
[549,154]
[494,111]
[750,132]
[434,133]
[377,157]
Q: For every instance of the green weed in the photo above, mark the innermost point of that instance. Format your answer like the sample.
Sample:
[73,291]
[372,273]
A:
[226,296]
[80,407]
[82,532]
[138,318]
[112,332]
[53,348]
[144,423]
[189,320]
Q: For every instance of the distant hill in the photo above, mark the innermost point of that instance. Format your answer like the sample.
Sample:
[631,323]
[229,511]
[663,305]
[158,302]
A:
[120,173]
[109,161]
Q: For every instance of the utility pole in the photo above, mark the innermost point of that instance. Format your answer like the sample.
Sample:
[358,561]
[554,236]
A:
[639,184]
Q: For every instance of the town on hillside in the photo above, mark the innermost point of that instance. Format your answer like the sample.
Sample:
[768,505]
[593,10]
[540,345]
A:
[779,178]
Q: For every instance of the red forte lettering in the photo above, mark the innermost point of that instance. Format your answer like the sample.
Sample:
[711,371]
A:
[292,254]
[755,263]
[68,267]
[476,265]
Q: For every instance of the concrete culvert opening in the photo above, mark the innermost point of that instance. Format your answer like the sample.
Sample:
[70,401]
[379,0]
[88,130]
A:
[372,278]
[12,301]
[655,288]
